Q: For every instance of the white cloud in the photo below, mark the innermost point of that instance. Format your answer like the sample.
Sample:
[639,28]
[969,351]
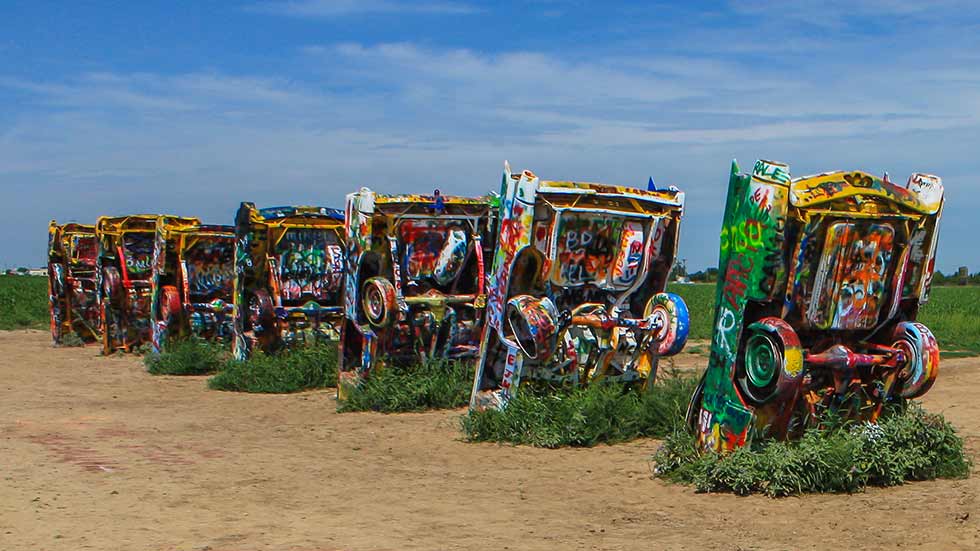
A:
[341,8]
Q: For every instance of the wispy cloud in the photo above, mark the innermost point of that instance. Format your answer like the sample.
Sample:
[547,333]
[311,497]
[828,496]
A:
[649,100]
[854,13]
[342,8]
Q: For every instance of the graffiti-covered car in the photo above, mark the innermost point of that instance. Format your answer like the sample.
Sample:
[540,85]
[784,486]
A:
[73,287]
[576,289]
[289,275]
[416,288]
[193,278]
[820,280]
[125,270]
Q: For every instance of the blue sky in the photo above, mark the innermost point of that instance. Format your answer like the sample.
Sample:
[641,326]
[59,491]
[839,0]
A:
[191,107]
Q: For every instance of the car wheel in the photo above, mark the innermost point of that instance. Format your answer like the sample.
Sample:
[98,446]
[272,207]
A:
[533,324]
[770,363]
[922,358]
[670,311]
[378,302]
[170,306]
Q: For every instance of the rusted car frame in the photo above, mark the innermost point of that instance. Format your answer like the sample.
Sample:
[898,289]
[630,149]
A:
[73,288]
[820,281]
[193,279]
[416,289]
[576,290]
[289,273]
[125,271]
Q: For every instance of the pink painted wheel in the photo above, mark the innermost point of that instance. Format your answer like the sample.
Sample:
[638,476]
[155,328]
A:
[922,358]
[378,302]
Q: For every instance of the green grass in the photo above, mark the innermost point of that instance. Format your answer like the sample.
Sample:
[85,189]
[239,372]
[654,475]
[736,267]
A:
[700,299]
[192,356]
[953,315]
[585,417]
[289,371]
[904,445]
[428,385]
[23,302]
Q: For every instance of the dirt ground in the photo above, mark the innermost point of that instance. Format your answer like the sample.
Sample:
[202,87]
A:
[97,454]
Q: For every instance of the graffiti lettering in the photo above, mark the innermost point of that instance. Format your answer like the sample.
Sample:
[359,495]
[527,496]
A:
[723,340]
[772,171]
[209,268]
[585,248]
[735,279]
[310,263]
[139,253]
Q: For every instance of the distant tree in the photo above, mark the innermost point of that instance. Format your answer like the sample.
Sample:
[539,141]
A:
[22,270]
[962,276]
[709,275]
[678,270]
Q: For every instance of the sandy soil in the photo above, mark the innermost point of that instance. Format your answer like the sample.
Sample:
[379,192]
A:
[97,454]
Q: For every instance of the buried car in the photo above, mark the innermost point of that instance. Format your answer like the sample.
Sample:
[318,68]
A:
[73,287]
[820,280]
[289,273]
[416,289]
[193,277]
[125,269]
[576,289]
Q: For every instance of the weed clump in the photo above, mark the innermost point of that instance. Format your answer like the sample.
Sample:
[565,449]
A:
[292,370]
[438,384]
[586,416]
[192,356]
[71,340]
[906,444]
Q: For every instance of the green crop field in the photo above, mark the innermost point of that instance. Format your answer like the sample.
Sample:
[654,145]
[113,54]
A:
[953,313]
[23,302]
[700,299]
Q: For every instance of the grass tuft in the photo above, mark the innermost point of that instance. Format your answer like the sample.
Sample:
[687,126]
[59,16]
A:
[71,340]
[292,370]
[905,445]
[443,384]
[585,417]
[193,356]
